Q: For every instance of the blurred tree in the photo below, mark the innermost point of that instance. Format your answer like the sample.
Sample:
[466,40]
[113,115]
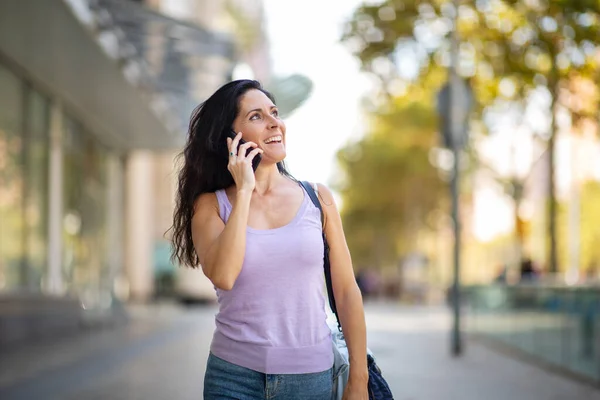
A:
[511,49]
[589,230]
[389,188]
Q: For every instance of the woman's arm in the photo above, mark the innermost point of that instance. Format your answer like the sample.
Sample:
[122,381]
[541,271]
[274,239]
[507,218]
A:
[221,247]
[347,294]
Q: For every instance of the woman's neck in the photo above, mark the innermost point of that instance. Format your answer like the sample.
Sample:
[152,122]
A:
[267,177]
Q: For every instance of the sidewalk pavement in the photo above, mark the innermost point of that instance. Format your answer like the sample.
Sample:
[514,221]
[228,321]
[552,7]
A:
[161,354]
[412,348]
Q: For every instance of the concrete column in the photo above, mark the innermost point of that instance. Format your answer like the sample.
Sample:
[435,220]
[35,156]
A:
[139,228]
[115,213]
[55,283]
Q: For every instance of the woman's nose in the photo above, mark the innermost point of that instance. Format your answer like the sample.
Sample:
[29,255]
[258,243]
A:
[273,122]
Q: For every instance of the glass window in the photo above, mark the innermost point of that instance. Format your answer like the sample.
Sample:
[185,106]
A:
[84,220]
[36,181]
[72,195]
[11,180]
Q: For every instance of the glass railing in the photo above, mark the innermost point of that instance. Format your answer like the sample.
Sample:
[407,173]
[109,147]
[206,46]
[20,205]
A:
[558,325]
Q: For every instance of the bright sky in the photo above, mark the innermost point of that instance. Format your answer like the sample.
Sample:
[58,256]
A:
[304,39]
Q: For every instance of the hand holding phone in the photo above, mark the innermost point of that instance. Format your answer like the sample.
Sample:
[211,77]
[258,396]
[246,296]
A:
[257,158]
[240,152]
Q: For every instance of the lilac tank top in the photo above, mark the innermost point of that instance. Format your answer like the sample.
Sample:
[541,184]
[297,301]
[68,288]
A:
[273,320]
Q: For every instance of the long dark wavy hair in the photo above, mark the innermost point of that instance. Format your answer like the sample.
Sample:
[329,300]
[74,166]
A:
[205,158]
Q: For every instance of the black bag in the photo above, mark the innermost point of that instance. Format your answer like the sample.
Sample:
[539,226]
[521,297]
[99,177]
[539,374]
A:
[378,387]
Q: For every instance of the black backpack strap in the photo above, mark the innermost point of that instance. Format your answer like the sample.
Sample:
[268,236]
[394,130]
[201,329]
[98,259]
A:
[326,265]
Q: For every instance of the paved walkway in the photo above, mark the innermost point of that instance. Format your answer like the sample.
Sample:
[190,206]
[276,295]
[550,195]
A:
[162,353]
[412,346]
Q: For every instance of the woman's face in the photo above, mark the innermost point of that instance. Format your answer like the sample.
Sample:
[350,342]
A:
[259,122]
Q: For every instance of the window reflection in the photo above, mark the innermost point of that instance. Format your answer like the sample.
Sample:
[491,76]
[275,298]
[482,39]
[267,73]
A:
[23,183]
[11,181]
[36,178]
[84,219]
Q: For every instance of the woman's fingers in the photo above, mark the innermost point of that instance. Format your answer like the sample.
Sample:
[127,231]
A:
[231,152]
[233,143]
[243,149]
[240,164]
[254,153]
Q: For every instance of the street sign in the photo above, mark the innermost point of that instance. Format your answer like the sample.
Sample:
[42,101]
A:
[455,132]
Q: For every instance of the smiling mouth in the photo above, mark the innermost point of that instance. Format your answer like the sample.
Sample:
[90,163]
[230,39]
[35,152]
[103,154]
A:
[274,139]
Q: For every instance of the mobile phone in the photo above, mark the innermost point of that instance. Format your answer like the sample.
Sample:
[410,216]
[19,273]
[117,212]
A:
[256,160]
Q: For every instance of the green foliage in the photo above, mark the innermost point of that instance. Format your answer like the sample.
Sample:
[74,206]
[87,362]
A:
[518,40]
[390,187]
[508,48]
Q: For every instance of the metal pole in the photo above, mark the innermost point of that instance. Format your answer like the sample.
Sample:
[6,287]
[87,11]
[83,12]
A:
[456,334]
[456,136]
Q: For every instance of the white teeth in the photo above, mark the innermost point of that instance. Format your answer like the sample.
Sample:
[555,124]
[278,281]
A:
[273,139]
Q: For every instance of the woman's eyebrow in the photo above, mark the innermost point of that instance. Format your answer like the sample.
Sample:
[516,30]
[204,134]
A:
[255,109]
[258,109]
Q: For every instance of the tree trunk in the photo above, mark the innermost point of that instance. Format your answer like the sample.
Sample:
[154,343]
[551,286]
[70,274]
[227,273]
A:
[518,188]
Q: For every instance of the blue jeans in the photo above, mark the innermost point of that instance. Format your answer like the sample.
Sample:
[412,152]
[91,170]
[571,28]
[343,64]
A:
[224,380]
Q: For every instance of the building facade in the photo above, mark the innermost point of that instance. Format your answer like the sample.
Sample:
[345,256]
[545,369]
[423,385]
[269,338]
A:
[92,93]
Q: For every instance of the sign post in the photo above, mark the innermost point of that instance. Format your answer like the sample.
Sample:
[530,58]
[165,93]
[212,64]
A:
[455,100]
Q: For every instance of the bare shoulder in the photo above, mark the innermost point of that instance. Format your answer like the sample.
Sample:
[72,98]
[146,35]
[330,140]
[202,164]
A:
[330,209]
[206,204]
[333,219]
[325,195]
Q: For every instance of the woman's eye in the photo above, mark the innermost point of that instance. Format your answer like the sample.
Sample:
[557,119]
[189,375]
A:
[255,116]
[275,113]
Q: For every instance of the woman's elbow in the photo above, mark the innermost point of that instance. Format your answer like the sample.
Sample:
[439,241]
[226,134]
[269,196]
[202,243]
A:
[220,281]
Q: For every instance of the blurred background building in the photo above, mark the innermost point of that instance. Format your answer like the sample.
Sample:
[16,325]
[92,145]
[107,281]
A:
[94,103]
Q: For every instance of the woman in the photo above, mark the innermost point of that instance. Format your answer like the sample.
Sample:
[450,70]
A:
[257,236]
